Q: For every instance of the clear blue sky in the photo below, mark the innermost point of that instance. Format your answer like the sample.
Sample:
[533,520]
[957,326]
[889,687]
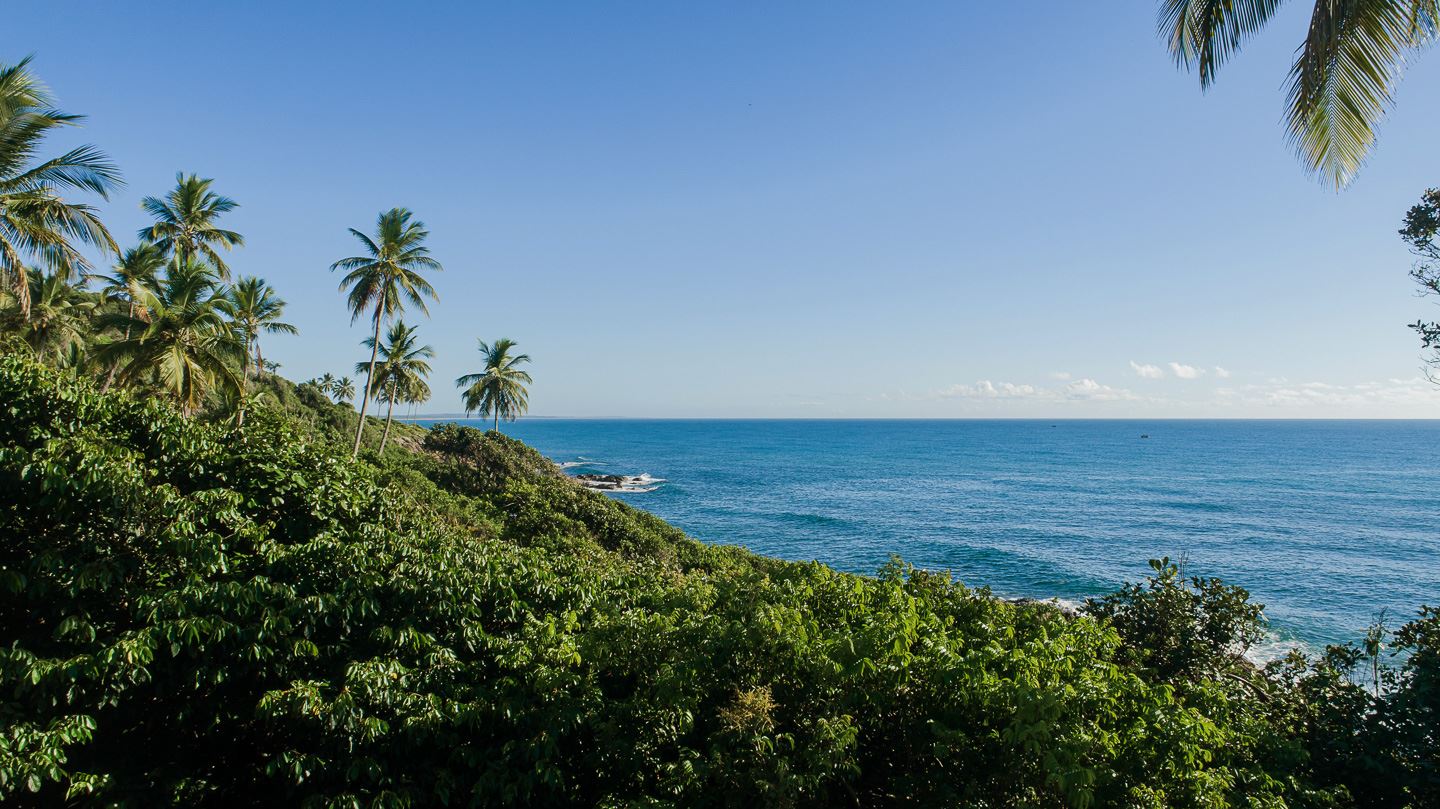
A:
[808,210]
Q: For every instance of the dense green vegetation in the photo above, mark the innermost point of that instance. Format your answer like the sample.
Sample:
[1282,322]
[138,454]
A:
[197,613]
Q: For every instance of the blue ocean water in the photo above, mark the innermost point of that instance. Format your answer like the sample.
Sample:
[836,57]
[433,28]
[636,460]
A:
[1325,522]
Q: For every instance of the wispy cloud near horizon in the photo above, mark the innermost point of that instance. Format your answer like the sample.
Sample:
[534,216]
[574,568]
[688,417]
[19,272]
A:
[1085,389]
[1147,371]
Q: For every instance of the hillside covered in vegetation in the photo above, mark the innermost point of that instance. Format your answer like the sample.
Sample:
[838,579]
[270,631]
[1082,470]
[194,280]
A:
[199,614]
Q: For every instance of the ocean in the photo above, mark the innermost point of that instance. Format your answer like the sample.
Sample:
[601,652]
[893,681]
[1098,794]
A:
[1327,523]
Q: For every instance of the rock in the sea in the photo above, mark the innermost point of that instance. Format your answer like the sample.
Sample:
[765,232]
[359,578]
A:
[1066,609]
[594,481]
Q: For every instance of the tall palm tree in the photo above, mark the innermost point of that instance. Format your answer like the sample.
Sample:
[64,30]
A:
[185,222]
[1344,74]
[383,279]
[343,390]
[402,371]
[188,347]
[499,390]
[36,222]
[58,321]
[326,383]
[254,307]
[134,276]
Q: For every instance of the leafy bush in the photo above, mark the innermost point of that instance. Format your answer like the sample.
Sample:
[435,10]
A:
[1182,629]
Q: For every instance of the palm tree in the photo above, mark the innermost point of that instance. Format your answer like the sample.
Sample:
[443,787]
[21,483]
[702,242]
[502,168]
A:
[499,390]
[343,390]
[326,383]
[381,280]
[254,307]
[134,277]
[1344,74]
[36,223]
[136,272]
[185,222]
[188,347]
[416,393]
[59,318]
[401,373]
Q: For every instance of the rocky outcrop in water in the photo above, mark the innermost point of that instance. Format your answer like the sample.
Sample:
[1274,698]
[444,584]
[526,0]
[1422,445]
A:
[618,483]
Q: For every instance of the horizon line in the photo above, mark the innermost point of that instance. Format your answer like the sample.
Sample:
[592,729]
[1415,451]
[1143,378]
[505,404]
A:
[461,417]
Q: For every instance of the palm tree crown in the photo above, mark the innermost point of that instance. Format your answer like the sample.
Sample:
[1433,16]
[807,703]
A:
[499,390]
[59,319]
[254,307]
[135,274]
[389,273]
[383,279]
[185,222]
[1344,74]
[35,220]
[188,347]
[343,390]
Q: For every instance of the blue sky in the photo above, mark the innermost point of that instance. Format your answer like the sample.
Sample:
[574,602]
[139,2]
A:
[784,210]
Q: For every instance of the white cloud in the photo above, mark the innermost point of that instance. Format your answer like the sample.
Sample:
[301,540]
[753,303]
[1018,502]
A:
[1186,371]
[1280,394]
[1079,390]
[1147,371]
[1090,389]
[1221,372]
[1060,375]
[1414,397]
[985,389]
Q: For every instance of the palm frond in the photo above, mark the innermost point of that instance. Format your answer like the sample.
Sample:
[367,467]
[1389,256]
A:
[1344,77]
[1202,34]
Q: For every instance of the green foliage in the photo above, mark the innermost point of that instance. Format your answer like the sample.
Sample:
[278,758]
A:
[1422,226]
[198,615]
[182,344]
[1182,629]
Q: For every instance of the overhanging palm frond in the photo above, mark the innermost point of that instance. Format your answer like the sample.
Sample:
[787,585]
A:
[1344,78]
[36,222]
[1202,34]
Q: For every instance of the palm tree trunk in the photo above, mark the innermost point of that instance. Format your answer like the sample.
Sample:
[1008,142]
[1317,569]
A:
[388,411]
[365,394]
[245,370]
[244,388]
[110,376]
[497,421]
